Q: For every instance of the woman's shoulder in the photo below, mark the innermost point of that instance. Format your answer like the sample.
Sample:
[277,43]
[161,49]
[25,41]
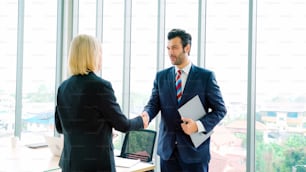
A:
[89,80]
[97,80]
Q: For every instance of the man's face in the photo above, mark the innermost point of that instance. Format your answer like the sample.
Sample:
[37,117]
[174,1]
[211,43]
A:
[176,52]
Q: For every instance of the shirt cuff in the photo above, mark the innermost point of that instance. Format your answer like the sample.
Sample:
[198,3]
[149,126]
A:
[201,127]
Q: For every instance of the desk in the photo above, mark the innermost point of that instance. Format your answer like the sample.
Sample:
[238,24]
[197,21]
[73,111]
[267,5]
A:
[139,167]
[24,159]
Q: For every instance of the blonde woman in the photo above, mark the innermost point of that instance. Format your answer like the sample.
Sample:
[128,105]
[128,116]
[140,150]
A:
[87,111]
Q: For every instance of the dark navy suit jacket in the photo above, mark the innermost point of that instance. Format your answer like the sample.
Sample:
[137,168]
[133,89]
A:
[86,112]
[200,82]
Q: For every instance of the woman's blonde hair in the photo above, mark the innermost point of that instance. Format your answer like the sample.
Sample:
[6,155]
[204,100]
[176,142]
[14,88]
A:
[84,55]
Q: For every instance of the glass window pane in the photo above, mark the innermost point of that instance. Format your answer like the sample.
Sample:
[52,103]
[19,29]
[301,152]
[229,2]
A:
[143,54]
[87,17]
[39,59]
[112,50]
[8,54]
[281,93]
[226,55]
[182,14]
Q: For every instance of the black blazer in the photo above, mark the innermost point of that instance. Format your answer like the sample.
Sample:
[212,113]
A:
[200,82]
[86,113]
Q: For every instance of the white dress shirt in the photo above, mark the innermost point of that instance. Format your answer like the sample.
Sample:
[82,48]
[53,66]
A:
[184,75]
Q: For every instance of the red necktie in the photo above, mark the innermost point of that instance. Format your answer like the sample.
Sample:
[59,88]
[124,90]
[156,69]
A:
[178,85]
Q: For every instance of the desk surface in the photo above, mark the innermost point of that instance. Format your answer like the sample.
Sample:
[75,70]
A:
[23,159]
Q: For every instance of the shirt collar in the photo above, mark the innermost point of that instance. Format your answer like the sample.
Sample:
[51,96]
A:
[186,69]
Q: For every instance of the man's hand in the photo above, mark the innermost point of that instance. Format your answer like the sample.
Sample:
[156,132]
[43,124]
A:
[189,126]
[145,119]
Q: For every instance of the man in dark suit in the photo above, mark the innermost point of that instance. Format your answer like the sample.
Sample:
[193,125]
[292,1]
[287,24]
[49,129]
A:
[175,148]
[87,111]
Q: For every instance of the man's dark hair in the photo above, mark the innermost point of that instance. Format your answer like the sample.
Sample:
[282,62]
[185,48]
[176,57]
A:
[185,37]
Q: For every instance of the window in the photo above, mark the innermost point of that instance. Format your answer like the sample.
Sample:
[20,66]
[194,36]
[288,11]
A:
[112,49]
[271,114]
[280,53]
[8,53]
[292,114]
[87,17]
[226,55]
[143,54]
[39,59]
[177,16]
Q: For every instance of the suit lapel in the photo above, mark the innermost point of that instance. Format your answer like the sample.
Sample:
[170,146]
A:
[171,78]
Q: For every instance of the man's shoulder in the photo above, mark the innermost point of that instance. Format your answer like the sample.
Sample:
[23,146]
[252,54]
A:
[165,71]
[201,70]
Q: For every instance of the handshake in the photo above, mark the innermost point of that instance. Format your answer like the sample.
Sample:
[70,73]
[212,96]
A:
[145,118]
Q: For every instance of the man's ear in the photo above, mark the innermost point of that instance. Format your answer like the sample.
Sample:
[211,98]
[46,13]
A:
[187,49]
